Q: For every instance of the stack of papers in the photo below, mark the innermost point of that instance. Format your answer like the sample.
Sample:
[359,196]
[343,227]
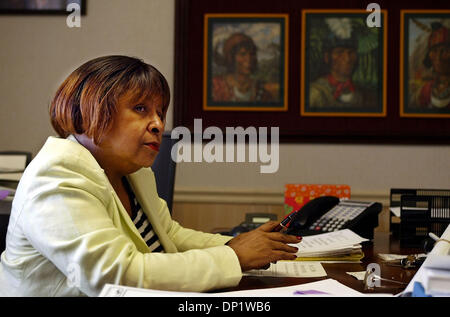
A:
[436,267]
[434,274]
[338,246]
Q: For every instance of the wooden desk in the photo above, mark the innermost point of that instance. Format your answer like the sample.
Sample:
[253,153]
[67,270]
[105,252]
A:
[382,243]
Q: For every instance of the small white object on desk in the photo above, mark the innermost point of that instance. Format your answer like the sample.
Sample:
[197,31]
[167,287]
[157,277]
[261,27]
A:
[433,236]
[437,239]
[360,275]
[392,257]
[395,211]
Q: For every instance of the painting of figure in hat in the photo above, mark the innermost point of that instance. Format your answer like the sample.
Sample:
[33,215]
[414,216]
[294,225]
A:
[425,83]
[343,65]
[245,62]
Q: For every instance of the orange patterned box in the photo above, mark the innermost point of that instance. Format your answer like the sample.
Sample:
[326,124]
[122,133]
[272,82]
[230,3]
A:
[297,195]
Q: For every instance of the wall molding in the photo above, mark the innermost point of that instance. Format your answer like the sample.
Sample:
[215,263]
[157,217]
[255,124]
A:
[251,196]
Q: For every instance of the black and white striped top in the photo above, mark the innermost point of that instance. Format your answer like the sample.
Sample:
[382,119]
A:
[142,224]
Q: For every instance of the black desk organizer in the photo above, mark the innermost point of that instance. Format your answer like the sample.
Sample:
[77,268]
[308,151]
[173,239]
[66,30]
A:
[421,211]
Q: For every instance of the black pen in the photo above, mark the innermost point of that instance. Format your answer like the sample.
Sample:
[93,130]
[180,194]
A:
[285,222]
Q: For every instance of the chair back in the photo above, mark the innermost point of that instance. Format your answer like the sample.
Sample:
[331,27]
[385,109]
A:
[164,169]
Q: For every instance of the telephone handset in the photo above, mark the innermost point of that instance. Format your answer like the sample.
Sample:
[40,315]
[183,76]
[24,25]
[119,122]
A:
[329,213]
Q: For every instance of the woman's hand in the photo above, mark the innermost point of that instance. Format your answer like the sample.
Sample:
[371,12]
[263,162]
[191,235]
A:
[258,248]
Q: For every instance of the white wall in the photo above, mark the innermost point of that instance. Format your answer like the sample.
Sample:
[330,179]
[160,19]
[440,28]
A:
[38,52]
[368,169]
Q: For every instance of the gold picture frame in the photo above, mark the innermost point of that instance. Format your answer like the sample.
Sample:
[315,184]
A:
[329,33]
[245,64]
[422,34]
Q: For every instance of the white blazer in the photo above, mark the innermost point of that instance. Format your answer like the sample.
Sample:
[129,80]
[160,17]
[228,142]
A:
[69,234]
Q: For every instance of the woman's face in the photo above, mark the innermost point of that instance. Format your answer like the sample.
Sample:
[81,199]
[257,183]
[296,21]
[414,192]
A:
[135,135]
[343,61]
[245,61]
[440,58]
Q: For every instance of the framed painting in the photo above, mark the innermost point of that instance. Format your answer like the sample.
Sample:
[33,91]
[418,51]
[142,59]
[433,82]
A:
[425,63]
[295,41]
[245,62]
[56,7]
[343,64]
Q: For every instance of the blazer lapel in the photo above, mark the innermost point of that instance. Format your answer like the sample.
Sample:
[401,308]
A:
[130,226]
[144,187]
[126,222]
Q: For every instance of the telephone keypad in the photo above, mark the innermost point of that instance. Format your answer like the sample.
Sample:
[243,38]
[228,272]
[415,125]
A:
[338,217]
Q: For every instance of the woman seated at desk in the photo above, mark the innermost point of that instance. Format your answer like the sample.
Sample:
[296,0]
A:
[86,211]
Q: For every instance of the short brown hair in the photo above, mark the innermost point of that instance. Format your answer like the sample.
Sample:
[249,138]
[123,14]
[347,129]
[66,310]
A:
[86,101]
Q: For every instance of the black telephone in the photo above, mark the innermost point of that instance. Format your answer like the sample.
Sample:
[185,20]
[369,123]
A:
[252,221]
[328,213]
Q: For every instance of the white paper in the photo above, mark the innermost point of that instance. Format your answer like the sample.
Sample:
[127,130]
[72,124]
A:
[110,290]
[437,261]
[291,269]
[437,282]
[393,257]
[342,240]
[395,211]
[327,287]
[441,248]
[360,275]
